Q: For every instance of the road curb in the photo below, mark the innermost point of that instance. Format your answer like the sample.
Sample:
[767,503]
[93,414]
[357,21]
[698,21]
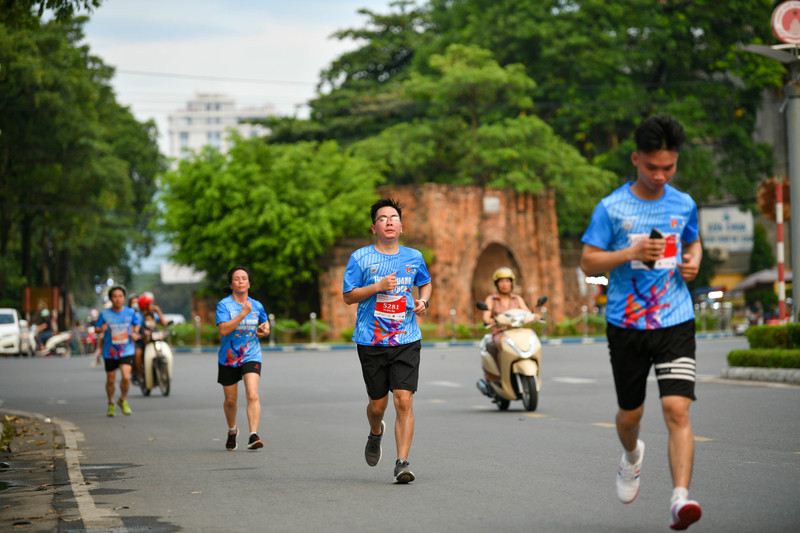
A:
[31,472]
[775,375]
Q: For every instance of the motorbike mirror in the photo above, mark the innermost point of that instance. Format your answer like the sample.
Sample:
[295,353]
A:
[541,301]
[482,306]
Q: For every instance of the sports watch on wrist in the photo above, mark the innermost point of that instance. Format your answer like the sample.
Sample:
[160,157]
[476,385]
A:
[426,302]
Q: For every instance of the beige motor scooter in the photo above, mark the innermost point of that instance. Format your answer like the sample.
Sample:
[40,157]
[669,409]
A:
[515,373]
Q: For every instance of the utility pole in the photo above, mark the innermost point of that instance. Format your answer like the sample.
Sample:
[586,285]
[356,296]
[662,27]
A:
[789,55]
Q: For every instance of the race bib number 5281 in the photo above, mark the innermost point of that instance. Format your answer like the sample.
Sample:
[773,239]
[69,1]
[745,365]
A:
[391,306]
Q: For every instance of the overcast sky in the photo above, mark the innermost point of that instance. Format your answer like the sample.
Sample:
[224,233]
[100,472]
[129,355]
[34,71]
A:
[280,46]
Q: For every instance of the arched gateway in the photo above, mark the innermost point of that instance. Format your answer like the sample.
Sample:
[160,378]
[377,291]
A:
[465,233]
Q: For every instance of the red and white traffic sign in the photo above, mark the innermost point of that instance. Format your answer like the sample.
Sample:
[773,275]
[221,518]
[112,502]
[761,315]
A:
[786,22]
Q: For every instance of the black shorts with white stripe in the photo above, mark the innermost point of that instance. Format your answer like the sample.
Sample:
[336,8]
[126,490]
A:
[633,351]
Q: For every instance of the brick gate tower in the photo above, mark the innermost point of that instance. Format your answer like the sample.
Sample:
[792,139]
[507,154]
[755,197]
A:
[465,233]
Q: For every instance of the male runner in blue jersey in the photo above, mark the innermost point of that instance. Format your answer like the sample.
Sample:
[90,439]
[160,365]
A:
[380,278]
[643,233]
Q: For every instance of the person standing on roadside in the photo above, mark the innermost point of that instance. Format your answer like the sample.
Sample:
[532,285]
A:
[380,279]
[645,233]
[119,327]
[241,321]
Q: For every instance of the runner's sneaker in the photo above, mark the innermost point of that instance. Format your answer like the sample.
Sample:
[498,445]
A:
[628,476]
[231,443]
[402,472]
[684,513]
[373,451]
[126,409]
[111,410]
[254,443]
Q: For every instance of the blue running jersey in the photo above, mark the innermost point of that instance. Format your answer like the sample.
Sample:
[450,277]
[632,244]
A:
[386,318]
[640,297]
[117,340]
[241,345]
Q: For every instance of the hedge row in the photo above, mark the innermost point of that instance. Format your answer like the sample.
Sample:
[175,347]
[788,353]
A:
[765,357]
[770,347]
[784,336]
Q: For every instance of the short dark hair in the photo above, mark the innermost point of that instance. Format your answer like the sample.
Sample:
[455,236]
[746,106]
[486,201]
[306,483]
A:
[227,288]
[385,202]
[117,288]
[659,133]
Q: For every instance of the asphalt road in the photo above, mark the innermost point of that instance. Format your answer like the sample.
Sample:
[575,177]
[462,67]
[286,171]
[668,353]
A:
[165,467]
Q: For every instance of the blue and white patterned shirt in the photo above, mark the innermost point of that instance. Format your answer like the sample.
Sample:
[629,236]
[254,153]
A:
[386,318]
[640,297]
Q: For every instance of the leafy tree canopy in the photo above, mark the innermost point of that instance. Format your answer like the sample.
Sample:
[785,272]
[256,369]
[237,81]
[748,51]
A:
[16,13]
[277,209]
[77,171]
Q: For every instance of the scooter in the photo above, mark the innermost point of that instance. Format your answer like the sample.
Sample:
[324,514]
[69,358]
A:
[60,344]
[515,373]
[156,363]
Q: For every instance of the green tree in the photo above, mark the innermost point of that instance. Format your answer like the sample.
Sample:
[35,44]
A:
[359,92]
[476,132]
[277,209]
[762,256]
[601,67]
[77,171]
[16,13]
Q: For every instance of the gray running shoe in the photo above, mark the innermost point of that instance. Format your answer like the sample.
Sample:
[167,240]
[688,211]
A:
[402,472]
[373,451]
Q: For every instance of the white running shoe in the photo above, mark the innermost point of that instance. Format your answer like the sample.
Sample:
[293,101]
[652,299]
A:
[628,476]
[684,513]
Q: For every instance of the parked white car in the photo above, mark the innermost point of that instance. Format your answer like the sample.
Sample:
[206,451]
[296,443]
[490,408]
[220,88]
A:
[10,332]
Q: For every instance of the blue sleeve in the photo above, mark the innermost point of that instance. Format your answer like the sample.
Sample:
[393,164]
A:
[262,313]
[137,319]
[100,320]
[599,232]
[352,276]
[223,315]
[422,277]
[691,232]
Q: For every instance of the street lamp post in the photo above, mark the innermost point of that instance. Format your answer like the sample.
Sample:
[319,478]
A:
[792,109]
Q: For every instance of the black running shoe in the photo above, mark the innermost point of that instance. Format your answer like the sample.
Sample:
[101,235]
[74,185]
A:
[402,472]
[373,451]
[231,443]
[254,443]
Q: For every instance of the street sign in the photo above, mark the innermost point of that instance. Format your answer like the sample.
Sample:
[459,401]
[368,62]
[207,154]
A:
[786,22]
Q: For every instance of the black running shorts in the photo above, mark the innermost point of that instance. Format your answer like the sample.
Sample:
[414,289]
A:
[633,351]
[388,368]
[113,364]
[231,375]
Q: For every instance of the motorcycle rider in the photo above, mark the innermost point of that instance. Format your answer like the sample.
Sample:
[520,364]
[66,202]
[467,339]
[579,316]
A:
[498,303]
[45,329]
[151,317]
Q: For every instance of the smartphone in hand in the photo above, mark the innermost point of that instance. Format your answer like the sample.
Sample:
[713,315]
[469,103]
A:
[654,234]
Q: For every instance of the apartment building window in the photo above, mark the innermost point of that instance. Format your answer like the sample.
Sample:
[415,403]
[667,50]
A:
[184,138]
[215,139]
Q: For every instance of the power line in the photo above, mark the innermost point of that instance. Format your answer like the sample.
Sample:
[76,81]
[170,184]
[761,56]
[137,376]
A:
[212,78]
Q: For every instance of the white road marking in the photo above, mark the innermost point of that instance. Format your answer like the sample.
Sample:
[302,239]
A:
[93,518]
[446,384]
[575,381]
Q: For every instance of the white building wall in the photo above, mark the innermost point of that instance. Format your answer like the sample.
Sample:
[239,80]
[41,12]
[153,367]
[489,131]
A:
[207,121]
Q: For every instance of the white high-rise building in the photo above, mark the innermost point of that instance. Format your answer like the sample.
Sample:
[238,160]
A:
[206,121]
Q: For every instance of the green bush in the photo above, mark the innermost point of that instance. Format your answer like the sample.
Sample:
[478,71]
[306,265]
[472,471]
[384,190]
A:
[321,327]
[346,334]
[285,329]
[186,335]
[765,357]
[463,331]
[770,337]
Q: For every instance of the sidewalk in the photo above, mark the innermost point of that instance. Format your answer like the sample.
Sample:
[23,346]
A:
[28,473]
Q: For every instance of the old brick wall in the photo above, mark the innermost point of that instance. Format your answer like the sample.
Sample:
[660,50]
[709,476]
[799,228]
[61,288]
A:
[468,232]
